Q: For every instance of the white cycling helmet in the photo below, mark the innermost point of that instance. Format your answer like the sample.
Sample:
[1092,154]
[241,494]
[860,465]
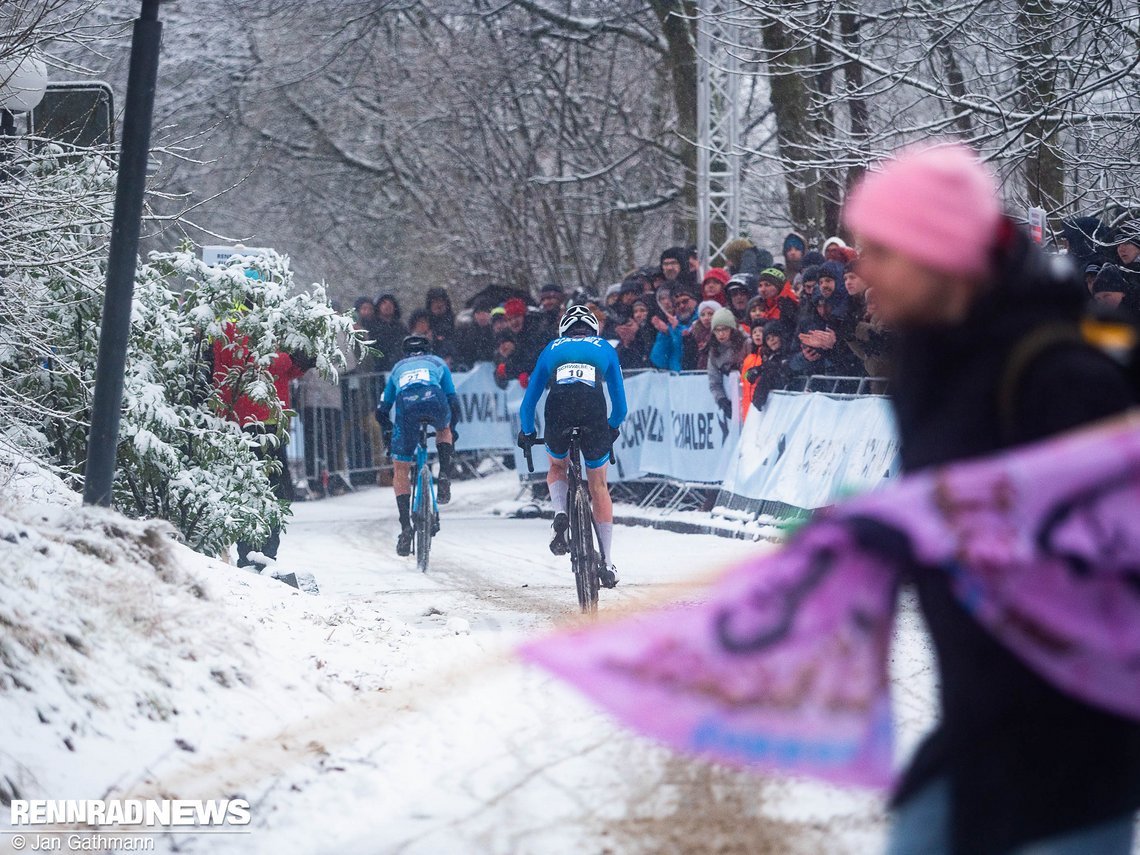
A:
[578,315]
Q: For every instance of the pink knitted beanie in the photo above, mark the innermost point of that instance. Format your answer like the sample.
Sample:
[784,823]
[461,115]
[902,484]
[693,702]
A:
[936,204]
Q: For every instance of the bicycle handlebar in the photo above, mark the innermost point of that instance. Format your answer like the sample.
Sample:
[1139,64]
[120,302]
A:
[527,452]
[538,440]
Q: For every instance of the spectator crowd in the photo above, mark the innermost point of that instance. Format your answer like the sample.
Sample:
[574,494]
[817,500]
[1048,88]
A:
[775,322]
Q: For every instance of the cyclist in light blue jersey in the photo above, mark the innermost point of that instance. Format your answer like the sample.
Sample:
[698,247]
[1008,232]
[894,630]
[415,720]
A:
[574,366]
[421,389]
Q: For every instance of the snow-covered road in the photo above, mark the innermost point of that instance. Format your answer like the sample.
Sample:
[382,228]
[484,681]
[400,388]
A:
[466,751]
[386,714]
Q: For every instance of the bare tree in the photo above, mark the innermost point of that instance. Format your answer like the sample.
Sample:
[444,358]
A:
[1044,89]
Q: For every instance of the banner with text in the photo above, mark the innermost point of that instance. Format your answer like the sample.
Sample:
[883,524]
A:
[675,428]
[484,420]
[808,450]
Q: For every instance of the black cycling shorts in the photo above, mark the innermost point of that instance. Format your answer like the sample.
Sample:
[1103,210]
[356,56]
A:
[578,406]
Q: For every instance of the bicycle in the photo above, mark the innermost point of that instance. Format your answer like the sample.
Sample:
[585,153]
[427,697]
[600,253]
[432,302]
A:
[425,513]
[584,559]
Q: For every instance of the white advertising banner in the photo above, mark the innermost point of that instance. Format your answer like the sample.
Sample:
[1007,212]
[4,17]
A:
[673,429]
[809,450]
[515,393]
[484,419]
[681,432]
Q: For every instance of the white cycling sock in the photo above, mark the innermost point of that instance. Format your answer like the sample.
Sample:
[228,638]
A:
[606,540]
[559,490]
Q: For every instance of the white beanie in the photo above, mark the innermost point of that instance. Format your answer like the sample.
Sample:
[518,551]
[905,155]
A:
[708,304]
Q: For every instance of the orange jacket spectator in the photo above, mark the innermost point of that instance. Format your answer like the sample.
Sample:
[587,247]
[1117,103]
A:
[778,301]
[752,360]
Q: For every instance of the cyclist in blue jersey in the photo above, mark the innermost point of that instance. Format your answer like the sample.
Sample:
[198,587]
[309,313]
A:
[574,366]
[421,389]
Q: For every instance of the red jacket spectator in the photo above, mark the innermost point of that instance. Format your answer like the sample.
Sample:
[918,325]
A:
[229,355]
[712,286]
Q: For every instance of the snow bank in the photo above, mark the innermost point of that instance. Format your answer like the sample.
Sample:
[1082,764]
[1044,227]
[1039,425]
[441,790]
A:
[122,652]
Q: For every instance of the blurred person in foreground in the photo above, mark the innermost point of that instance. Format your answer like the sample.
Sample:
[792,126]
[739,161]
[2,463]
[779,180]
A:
[989,357]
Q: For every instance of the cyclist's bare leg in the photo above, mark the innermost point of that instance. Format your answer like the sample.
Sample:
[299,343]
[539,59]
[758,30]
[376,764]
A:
[402,487]
[556,481]
[559,490]
[401,477]
[444,445]
[600,494]
[603,508]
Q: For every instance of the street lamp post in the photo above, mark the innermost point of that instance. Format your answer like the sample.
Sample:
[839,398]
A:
[23,80]
[103,438]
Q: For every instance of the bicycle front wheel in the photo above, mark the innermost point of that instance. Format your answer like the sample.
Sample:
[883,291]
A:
[425,518]
[582,553]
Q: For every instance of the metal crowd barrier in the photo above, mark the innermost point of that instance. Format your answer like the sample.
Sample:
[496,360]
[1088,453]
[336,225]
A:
[335,442]
[845,387]
[335,445]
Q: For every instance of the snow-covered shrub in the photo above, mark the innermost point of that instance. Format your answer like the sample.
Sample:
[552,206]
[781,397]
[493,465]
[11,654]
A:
[178,458]
[56,215]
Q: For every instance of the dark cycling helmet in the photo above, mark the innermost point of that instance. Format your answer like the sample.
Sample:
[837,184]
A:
[578,315]
[414,344]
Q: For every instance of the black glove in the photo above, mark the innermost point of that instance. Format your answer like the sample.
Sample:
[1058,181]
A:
[386,433]
[725,407]
[752,374]
[615,435]
[526,440]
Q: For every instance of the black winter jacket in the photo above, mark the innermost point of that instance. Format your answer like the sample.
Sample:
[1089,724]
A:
[389,337]
[474,343]
[1023,759]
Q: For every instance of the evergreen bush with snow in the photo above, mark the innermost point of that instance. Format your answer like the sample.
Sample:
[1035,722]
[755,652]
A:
[179,458]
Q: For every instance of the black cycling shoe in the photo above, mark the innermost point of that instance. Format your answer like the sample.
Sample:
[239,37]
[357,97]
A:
[607,576]
[404,542]
[558,544]
[443,490]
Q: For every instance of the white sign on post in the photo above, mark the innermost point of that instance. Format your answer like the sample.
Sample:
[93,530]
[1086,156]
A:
[1037,225]
[218,255]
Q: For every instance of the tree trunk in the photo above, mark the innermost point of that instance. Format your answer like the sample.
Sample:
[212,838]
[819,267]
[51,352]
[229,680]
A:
[828,189]
[1037,76]
[677,17]
[791,100]
[857,110]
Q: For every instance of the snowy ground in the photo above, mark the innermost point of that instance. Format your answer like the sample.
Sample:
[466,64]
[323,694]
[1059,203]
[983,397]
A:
[385,714]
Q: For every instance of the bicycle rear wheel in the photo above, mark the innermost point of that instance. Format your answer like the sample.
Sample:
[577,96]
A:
[425,518]
[582,553]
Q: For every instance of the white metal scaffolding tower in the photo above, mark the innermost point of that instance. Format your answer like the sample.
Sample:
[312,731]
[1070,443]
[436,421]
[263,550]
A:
[718,127]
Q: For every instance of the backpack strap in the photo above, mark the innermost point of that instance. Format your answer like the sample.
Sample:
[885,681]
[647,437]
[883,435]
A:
[1031,347]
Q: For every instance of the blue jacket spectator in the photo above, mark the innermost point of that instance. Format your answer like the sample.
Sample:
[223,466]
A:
[675,349]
